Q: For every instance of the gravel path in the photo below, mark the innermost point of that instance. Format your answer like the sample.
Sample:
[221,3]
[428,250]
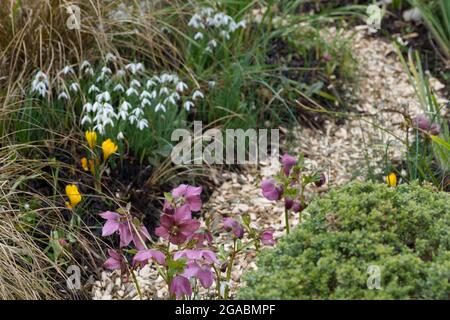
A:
[342,151]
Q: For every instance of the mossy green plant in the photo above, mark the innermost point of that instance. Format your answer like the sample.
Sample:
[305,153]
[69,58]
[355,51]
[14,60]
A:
[405,231]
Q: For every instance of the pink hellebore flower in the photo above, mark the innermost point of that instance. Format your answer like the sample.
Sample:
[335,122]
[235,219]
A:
[127,232]
[201,237]
[115,260]
[143,257]
[422,122]
[267,238]
[230,224]
[190,194]
[180,287]
[270,191]
[288,162]
[179,227]
[199,265]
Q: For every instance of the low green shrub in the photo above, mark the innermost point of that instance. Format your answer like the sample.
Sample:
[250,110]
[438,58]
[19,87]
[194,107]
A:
[405,231]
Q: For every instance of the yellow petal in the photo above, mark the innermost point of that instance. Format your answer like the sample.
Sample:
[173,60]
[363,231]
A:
[391,179]
[84,164]
[91,138]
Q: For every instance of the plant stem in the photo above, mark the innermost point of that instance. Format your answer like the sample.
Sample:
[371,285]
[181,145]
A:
[286,217]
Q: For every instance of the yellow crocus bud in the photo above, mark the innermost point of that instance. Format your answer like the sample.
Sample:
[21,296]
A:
[84,164]
[391,179]
[91,137]
[108,148]
[73,194]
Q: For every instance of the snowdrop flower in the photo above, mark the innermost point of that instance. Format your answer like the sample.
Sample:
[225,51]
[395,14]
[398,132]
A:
[125,106]
[212,84]
[131,91]
[120,136]
[106,70]
[132,119]
[100,78]
[197,94]
[103,97]
[85,64]
[74,87]
[145,95]
[89,71]
[163,90]
[96,106]
[188,104]
[63,95]
[145,102]
[99,128]
[150,83]
[93,88]
[110,57]
[120,73]
[212,43]
[119,88]
[160,106]
[143,123]
[67,69]
[40,84]
[137,112]
[198,36]
[87,107]
[135,67]
[135,83]
[225,34]
[86,119]
[181,86]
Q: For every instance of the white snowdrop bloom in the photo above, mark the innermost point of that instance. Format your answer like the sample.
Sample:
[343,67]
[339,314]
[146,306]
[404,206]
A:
[40,84]
[181,86]
[170,100]
[89,71]
[188,104]
[123,114]
[157,79]
[107,120]
[142,124]
[135,83]
[110,57]
[150,83]
[153,94]
[96,106]
[145,95]
[106,70]
[100,78]
[160,106]
[242,24]
[86,119]
[120,73]
[145,102]
[175,96]
[208,49]
[132,119]
[135,67]
[212,43]
[163,90]
[125,105]
[26,206]
[131,91]
[93,88]
[67,69]
[212,84]
[85,64]
[165,78]
[119,88]
[87,107]
[225,34]
[138,112]
[63,95]
[120,136]
[103,97]
[99,128]
[74,87]
[194,22]
[197,94]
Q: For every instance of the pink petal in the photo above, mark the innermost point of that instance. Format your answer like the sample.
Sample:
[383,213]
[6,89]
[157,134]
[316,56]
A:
[109,215]
[182,213]
[205,276]
[179,191]
[110,227]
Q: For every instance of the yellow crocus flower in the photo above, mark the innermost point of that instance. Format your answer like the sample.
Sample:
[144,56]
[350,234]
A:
[73,194]
[91,137]
[391,179]
[108,148]
[84,164]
